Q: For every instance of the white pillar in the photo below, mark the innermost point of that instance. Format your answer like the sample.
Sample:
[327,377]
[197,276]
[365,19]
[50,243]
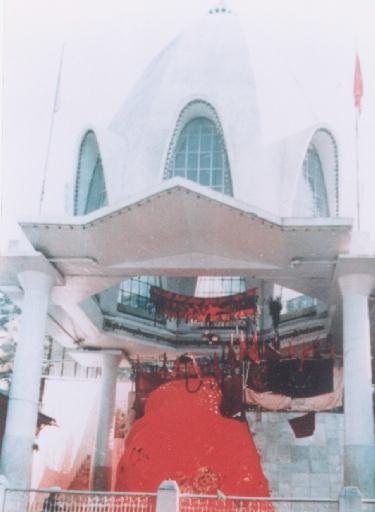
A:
[350,500]
[359,444]
[3,487]
[101,469]
[19,436]
[168,498]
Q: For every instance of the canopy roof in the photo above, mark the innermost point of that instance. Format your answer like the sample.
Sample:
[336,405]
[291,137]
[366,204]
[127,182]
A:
[182,229]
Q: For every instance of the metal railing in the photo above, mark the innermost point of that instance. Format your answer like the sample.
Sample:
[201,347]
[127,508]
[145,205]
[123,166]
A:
[199,503]
[368,505]
[66,368]
[56,500]
[77,501]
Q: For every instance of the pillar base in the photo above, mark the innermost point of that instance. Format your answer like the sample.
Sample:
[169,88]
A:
[350,500]
[18,450]
[168,499]
[359,468]
[101,480]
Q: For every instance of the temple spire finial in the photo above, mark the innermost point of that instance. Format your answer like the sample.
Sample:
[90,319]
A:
[219,6]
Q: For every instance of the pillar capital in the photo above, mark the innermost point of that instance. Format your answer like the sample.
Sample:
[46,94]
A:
[356,284]
[110,358]
[36,281]
[105,359]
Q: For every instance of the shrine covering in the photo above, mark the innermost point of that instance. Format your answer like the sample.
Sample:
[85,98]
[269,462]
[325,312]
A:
[183,437]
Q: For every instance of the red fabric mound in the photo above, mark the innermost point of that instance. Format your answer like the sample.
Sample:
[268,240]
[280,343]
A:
[183,437]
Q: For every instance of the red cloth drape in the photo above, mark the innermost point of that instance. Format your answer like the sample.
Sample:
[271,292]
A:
[183,437]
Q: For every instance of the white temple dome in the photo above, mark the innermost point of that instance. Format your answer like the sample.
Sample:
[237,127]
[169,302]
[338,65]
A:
[208,68]
[205,76]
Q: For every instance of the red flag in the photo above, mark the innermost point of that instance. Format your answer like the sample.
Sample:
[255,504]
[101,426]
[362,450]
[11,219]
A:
[223,355]
[271,354]
[177,367]
[164,372]
[305,352]
[358,84]
[138,367]
[216,367]
[232,357]
[291,352]
[253,352]
[242,347]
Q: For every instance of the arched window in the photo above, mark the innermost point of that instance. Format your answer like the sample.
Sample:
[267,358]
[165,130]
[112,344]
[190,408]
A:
[91,193]
[311,199]
[200,156]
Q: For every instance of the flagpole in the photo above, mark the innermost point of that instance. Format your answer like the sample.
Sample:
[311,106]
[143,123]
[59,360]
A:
[357,170]
[51,128]
[357,93]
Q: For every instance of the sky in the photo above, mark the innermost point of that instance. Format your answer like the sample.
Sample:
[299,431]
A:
[302,53]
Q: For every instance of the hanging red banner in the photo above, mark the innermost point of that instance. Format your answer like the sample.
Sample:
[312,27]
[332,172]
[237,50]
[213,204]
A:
[215,309]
